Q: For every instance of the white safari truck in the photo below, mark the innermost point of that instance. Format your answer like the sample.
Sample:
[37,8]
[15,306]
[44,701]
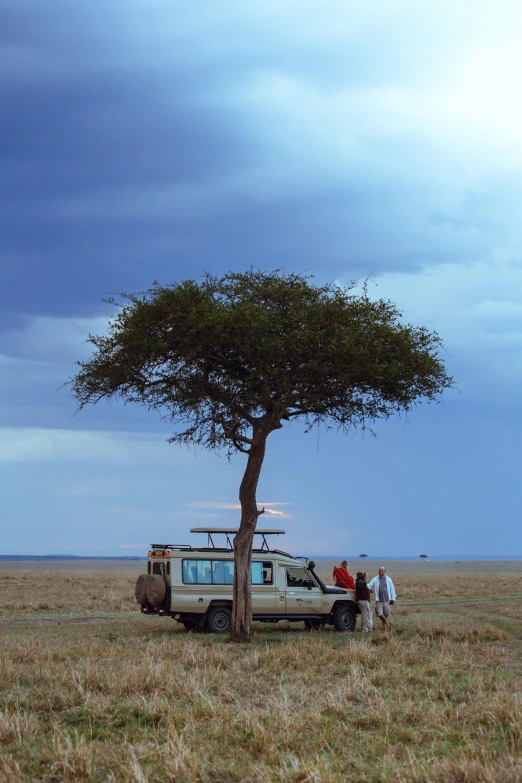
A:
[193,585]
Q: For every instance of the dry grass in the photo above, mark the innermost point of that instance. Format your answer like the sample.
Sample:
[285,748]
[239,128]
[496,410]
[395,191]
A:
[439,700]
[26,593]
[429,587]
[46,593]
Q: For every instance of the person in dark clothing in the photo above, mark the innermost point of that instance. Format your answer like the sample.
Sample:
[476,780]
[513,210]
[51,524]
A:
[362,596]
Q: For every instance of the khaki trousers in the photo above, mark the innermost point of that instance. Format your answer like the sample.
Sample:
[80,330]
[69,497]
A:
[366,616]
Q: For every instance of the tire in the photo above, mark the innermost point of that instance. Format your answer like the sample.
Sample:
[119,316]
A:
[156,590]
[219,619]
[140,591]
[313,625]
[344,618]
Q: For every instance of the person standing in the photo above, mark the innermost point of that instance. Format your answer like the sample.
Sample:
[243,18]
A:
[384,590]
[362,596]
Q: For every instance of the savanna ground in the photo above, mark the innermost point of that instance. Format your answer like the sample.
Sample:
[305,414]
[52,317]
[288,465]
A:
[132,698]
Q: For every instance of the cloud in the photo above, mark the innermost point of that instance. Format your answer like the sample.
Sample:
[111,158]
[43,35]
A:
[39,355]
[33,444]
[153,515]
[237,506]
[477,310]
[98,488]
[220,504]
[212,504]
[51,340]
[331,137]
[134,546]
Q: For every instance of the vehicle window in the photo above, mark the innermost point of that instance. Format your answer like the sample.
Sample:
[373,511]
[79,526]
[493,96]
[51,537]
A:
[204,572]
[159,568]
[197,572]
[261,573]
[268,570]
[189,572]
[221,572]
[298,577]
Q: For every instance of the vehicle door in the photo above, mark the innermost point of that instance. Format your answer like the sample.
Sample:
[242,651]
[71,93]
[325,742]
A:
[303,595]
[263,591]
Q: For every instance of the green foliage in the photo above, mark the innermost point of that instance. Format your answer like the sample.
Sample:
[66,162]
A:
[220,357]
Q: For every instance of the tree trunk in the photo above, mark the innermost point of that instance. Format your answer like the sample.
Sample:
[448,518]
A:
[242,606]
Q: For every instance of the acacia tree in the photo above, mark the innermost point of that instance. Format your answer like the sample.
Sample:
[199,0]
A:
[228,360]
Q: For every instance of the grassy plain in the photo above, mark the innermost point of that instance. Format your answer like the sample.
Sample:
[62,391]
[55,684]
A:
[138,699]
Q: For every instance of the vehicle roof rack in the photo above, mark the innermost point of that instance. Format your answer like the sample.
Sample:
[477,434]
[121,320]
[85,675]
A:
[258,531]
[228,531]
[171,546]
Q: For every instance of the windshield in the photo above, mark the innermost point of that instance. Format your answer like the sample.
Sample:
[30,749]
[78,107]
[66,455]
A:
[298,577]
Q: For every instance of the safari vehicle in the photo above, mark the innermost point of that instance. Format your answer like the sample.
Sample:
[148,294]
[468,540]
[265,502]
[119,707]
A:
[193,585]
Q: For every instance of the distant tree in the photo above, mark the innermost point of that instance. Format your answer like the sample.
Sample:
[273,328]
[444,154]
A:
[363,556]
[228,360]
[423,557]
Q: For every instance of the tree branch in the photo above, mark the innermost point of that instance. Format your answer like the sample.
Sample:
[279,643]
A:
[299,412]
[226,362]
[239,447]
[244,413]
[233,434]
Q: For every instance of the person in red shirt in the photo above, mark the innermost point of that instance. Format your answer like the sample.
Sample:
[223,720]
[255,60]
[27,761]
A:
[342,577]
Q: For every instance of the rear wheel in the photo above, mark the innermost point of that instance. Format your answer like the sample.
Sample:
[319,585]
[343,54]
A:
[344,618]
[219,619]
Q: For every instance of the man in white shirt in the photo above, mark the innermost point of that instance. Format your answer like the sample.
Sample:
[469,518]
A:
[384,590]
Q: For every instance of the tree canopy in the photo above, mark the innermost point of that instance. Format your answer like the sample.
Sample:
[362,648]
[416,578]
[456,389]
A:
[227,360]
[215,355]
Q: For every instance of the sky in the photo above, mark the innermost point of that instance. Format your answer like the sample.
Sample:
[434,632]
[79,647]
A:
[148,140]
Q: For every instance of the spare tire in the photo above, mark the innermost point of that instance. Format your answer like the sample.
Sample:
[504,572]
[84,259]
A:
[140,591]
[156,590]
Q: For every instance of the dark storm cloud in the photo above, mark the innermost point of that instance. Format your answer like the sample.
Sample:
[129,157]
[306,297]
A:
[79,124]
[106,103]
[93,141]
[145,141]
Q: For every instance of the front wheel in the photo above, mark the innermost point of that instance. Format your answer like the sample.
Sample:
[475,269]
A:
[344,618]
[219,619]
